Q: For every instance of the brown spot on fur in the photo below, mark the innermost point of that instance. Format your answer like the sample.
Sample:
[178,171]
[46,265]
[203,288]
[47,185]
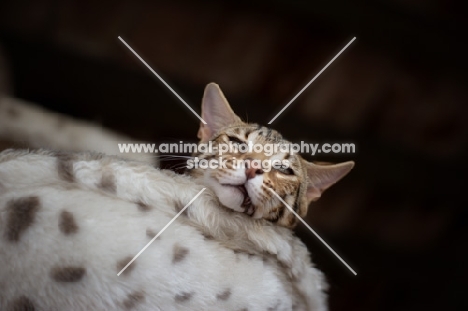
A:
[292,221]
[21,215]
[224,295]
[179,206]
[22,303]
[133,300]
[67,224]
[284,264]
[151,234]
[182,297]
[65,166]
[179,253]
[207,236]
[67,274]
[108,182]
[143,207]
[264,259]
[122,263]
[249,255]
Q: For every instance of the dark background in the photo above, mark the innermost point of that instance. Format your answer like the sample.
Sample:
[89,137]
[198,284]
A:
[398,92]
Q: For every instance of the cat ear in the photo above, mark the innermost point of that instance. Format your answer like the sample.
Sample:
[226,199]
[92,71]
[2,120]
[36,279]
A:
[216,112]
[321,177]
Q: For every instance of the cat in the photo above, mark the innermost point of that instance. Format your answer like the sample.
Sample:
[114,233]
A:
[298,184]
[69,222]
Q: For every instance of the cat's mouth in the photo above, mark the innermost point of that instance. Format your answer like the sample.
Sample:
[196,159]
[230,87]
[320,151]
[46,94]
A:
[247,202]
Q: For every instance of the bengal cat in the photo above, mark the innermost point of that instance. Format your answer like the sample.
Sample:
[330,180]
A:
[70,222]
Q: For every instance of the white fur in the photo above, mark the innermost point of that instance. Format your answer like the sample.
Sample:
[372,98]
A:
[39,128]
[111,228]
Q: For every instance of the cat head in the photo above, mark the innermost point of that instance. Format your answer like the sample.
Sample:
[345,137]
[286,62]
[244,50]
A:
[244,186]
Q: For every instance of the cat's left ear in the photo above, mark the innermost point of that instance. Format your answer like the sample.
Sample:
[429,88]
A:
[321,177]
[216,112]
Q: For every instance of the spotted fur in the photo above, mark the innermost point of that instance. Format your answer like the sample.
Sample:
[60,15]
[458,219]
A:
[62,247]
[70,222]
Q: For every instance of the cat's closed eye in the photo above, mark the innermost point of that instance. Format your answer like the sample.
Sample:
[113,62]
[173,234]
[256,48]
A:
[235,140]
[285,170]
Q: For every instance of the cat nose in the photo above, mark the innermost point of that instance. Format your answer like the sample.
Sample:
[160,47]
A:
[251,172]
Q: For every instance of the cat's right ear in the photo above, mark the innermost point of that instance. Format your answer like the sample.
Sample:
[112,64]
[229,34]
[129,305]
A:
[321,177]
[216,112]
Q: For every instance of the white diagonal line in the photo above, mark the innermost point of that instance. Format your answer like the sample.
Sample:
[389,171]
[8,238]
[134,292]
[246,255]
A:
[312,230]
[164,82]
[162,230]
[313,79]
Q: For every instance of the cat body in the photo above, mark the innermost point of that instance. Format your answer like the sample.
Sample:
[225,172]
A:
[70,222]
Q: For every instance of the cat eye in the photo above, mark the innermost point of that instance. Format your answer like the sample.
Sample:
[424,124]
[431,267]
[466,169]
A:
[235,139]
[286,170]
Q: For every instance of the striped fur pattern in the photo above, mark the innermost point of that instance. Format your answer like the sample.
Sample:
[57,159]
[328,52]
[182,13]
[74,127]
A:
[248,190]
[290,184]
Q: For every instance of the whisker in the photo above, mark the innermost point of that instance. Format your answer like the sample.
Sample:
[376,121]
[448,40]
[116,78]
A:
[175,156]
[171,157]
[177,169]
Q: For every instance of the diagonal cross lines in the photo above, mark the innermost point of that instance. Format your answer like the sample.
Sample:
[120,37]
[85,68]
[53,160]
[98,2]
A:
[271,121]
[162,230]
[162,80]
[312,230]
[313,79]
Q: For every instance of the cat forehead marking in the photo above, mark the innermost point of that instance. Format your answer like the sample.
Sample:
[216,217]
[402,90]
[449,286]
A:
[256,132]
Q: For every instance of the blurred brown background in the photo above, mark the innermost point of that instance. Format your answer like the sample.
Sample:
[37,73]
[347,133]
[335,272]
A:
[398,92]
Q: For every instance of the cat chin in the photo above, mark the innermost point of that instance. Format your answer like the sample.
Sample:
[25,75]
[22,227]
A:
[233,198]
[228,196]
